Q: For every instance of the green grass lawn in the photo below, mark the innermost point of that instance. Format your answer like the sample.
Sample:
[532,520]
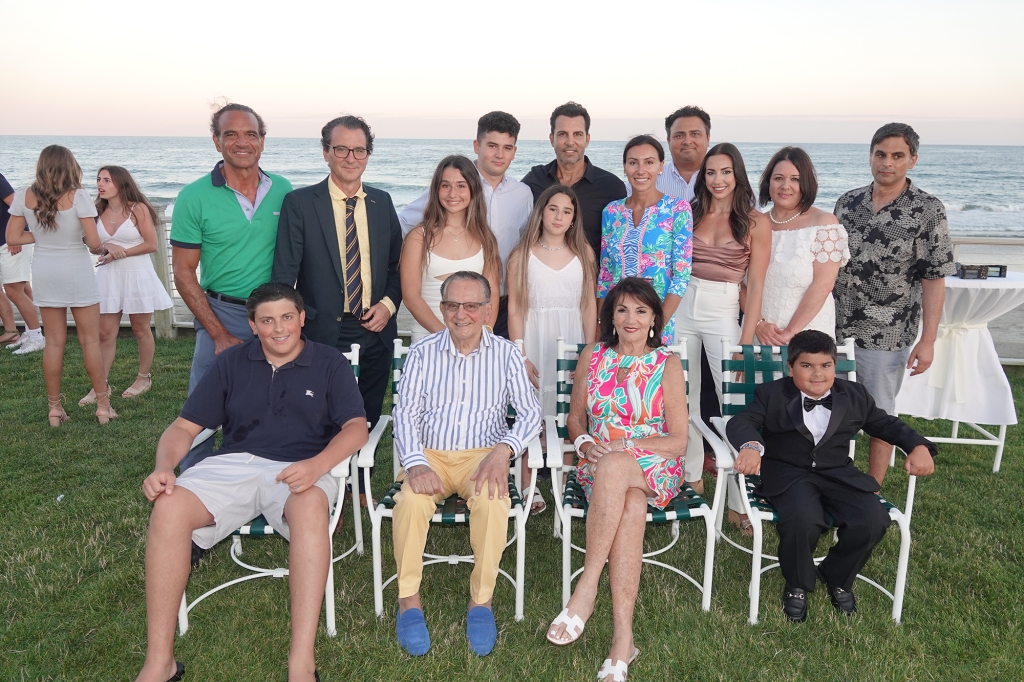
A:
[72,544]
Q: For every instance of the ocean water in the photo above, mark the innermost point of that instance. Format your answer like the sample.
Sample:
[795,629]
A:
[981,186]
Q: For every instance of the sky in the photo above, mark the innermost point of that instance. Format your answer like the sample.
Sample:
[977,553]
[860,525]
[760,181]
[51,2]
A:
[821,71]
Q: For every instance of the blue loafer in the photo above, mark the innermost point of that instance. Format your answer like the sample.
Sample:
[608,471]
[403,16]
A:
[411,628]
[481,631]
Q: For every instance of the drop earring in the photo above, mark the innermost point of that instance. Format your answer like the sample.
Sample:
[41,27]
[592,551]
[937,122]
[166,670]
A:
[650,334]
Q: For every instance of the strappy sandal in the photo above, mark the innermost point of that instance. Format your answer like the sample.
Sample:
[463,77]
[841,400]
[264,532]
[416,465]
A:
[129,393]
[619,671]
[15,334]
[741,521]
[111,413]
[539,506]
[573,627]
[89,398]
[57,415]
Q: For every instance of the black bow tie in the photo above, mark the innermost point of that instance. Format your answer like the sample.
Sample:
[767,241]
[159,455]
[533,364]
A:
[825,402]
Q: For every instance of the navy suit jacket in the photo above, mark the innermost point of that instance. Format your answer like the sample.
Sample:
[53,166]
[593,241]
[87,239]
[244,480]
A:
[308,257]
[775,419]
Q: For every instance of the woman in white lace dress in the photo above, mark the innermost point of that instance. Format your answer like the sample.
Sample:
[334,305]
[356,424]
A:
[808,248]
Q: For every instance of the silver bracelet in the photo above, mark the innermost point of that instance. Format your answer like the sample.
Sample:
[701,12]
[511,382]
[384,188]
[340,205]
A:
[753,445]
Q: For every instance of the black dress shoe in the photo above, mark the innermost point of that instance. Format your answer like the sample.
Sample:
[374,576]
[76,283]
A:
[179,671]
[843,600]
[794,604]
[197,555]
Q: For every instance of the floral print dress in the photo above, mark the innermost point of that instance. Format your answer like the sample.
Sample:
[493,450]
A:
[659,249]
[631,408]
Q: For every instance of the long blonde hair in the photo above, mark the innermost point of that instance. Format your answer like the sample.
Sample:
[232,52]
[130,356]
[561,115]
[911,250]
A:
[57,173]
[575,239]
[435,215]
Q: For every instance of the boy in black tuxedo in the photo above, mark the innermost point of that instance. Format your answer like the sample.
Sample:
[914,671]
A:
[796,433]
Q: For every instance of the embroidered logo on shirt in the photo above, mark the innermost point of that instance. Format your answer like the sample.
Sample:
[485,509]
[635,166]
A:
[309,393]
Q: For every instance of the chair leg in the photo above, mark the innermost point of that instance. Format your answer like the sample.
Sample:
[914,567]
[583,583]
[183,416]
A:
[329,620]
[566,556]
[183,615]
[556,495]
[521,560]
[999,449]
[901,571]
[709,562]
[755,572]
[378,589]
[357,519]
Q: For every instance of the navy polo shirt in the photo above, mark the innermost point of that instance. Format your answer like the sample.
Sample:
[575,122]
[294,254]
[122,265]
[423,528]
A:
[286,415]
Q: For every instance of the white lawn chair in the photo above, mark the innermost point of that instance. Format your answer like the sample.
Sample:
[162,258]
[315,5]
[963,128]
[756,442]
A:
[451,511]
[259,527]
[767,363]
[688,505]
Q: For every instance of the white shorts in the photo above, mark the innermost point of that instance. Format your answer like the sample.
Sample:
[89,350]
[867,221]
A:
[15,269]
[238,487]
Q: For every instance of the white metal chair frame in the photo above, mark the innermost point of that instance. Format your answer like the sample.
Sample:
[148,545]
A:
[565,513]
[346,470]
[757,515]
[518,514]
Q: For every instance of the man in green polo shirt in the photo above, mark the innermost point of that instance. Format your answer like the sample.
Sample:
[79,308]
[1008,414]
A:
[222,240]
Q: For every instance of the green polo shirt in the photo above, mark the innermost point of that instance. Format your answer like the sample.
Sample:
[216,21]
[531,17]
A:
[236,244]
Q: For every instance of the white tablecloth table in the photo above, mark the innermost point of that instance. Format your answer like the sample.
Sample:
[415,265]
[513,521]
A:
[966,383]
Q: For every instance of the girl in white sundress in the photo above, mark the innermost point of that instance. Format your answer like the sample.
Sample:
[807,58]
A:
[809,246]
[453,236]
[551,290]
[127,281]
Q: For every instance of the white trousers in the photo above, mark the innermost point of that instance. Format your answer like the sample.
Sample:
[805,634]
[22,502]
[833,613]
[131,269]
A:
[708,315]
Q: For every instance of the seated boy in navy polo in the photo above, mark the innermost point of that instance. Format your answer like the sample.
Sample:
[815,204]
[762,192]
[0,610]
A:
[796,433]
[291,411]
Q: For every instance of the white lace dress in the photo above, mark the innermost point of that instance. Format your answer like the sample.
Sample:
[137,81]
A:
[554,312]
[791,271]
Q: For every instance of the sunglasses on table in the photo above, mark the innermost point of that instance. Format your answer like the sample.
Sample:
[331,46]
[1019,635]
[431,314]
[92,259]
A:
[452,307]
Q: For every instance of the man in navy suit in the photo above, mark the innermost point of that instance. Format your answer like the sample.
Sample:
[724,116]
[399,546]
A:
[796,433]
[339,243]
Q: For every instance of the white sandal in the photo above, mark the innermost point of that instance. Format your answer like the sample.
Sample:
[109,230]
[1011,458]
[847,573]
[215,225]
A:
[539,505]
[573,627]
[618,672]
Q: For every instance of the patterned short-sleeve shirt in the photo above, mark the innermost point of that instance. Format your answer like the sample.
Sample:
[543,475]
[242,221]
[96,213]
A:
[878,293]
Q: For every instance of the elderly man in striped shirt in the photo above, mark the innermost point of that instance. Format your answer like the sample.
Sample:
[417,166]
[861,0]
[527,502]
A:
[452,437]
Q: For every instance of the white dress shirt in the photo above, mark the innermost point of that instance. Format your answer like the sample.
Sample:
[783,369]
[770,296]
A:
[450,401]
[816,420]
[508,209]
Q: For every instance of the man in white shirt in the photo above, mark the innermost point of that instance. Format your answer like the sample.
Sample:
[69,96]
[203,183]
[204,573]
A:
[689,134]
[509,202]
[451,436]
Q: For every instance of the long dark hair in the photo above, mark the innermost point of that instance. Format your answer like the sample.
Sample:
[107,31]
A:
[742,196]
[435,215]
[127,190]
[641,290]
[575,239]
[57,173]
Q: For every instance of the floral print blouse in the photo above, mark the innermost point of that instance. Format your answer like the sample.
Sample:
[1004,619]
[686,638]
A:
[659,249]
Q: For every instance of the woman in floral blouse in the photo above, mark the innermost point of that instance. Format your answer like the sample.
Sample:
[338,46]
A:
[648,234]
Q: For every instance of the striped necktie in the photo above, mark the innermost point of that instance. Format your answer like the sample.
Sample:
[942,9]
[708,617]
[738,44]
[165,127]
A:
[353,276]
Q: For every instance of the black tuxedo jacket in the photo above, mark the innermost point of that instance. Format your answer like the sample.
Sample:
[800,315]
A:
[775,419]
[308,257]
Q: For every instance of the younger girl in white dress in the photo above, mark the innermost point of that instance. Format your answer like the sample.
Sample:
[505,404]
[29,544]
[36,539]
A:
[808,248]
[453,236]
[552,283]
[127,280]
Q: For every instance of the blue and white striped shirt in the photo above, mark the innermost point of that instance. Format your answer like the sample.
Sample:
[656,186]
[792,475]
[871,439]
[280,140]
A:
[450,401]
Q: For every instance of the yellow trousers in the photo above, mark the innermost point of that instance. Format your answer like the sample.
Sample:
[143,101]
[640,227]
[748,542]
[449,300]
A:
[488,522]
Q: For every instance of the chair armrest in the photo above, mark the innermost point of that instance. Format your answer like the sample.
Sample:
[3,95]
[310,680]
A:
[554,443]
[203,436]
[729,450]
[723,456]
[367,452]
[534,454]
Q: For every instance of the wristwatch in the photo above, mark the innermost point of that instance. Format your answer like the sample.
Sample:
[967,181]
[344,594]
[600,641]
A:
[753,445]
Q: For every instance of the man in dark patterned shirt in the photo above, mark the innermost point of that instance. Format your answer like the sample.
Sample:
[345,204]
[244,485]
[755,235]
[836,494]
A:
[900,248]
